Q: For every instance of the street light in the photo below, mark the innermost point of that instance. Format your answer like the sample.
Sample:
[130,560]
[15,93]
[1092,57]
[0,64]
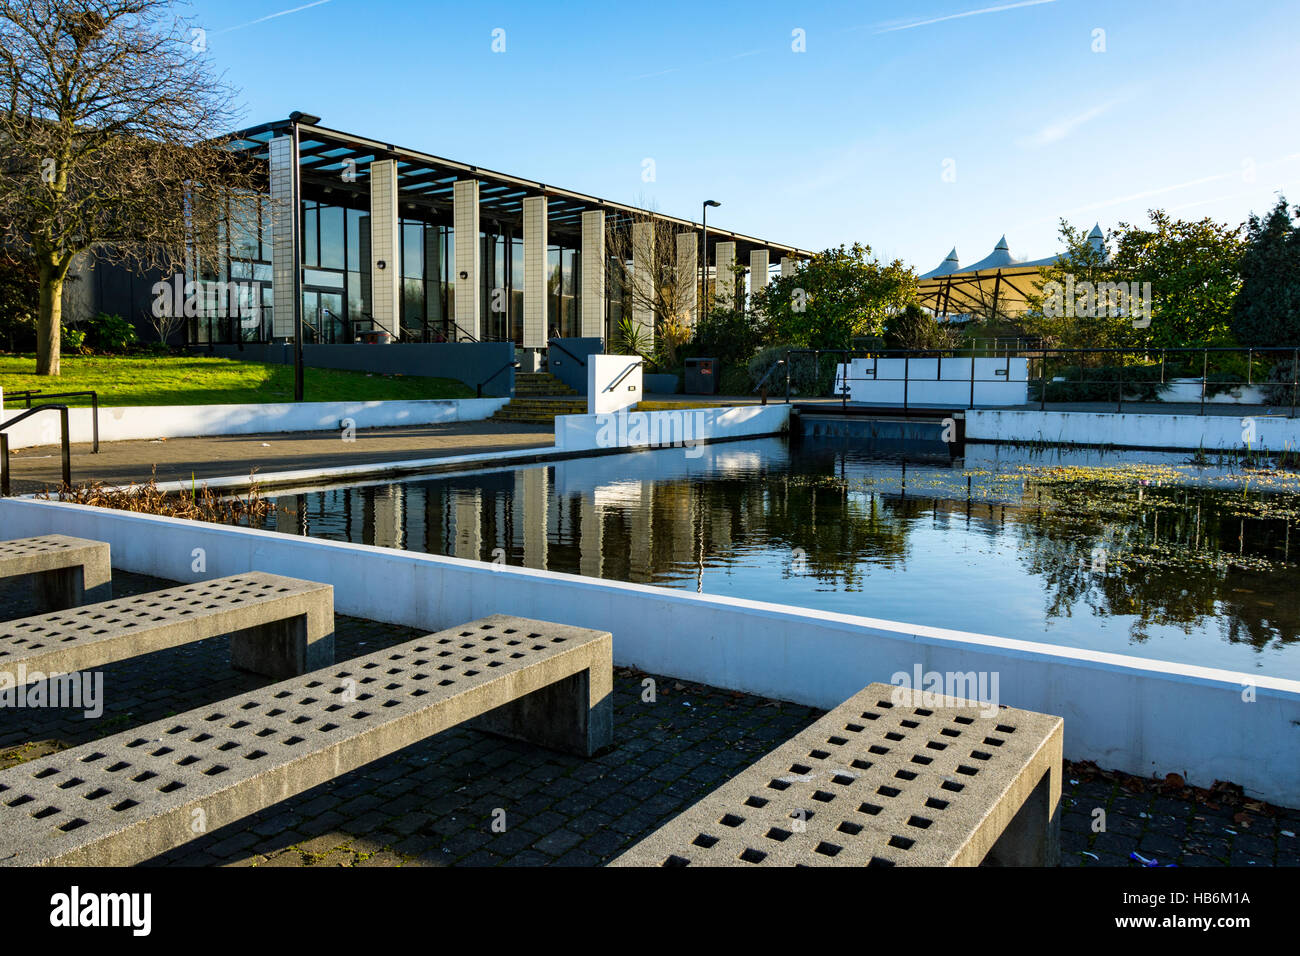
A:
[704,254]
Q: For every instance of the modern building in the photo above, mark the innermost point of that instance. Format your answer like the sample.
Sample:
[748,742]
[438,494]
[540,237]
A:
[395,242]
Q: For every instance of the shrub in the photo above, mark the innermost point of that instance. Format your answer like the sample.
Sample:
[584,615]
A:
[729,335]
[1278,390]
[807,378]
[109,333]
[1101,383]
[74,340]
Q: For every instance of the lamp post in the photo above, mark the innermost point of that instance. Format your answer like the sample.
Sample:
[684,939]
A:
[704,255]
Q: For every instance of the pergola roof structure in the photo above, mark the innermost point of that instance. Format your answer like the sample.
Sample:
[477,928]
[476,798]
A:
[425,183]
[998,284]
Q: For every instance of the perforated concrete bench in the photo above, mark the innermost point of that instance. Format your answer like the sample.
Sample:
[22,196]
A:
[126,798]
[67,571]
[278,626]
[881,784]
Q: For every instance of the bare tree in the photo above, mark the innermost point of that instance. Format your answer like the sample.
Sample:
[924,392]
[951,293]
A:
[668,292]
[106,112]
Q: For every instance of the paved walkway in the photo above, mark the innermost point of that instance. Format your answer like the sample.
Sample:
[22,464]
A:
[434,804]
[223,455]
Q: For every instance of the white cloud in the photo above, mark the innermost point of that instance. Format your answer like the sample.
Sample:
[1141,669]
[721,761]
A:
[968,13]
[1060,130]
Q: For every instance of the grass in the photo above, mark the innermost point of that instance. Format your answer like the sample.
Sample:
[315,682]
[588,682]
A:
[198,380]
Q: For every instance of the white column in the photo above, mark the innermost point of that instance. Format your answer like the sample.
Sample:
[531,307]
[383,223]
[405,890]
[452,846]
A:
[643,257]
[724,280]
[787,266]
[385,247]
[593,273]
[468,253]
[688,277]
[535,298]
[284,230]
[758,261]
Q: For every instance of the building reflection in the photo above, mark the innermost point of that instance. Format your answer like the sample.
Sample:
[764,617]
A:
[675,521]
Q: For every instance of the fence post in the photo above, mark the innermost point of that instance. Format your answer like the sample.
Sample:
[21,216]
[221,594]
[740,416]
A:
[844,386]
[1042,380]
[1295,374]
[67,448]
[4,465]
[1205,372]
[972,379]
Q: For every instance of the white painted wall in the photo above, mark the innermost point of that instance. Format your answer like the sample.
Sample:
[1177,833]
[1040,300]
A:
[602,371]
[1127,713]
[1125,430]
[929,381]
[121,423]
[668,428]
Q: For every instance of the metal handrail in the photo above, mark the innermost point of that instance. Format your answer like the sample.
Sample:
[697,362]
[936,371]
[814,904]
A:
[624,374]
[27,394]
[479,388]
[64,441]
[460,330]
[555,343]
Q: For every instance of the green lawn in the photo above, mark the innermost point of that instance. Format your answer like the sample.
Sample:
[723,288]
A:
[194,380]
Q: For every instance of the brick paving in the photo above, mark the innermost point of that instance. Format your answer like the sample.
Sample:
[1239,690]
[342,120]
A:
[436,804]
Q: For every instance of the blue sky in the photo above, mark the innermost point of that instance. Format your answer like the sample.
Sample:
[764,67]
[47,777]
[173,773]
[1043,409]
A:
[910,126]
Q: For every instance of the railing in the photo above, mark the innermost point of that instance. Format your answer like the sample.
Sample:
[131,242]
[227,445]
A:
[64,441]
[555,344]
[479,388]
[1118,375]
[623,374]
[27,394]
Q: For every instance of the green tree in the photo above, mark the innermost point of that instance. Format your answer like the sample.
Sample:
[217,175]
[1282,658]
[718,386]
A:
[1085,264]
[915,328]
[1193,268]
[835,296]
[1266,312]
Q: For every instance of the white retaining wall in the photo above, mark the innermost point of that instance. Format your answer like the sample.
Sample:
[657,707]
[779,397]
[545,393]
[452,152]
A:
[1127,713]
[602,371]
[933,382]
[1124,430]
[181,421]
[669,428]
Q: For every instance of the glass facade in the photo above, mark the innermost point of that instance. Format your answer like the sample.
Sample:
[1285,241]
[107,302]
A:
[337,299]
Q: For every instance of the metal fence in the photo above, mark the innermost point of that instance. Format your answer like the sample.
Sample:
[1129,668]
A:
[1234,376]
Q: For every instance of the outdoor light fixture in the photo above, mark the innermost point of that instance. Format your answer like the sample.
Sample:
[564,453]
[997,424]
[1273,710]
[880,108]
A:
[464,274]
[381,264]
[704,255]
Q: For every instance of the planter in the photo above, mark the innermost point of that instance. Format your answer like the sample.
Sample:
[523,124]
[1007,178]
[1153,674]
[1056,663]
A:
[661,384]
[1188,390]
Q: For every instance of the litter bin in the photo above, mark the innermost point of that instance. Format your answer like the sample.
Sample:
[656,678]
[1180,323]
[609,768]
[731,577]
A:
[702,376]
[376,337]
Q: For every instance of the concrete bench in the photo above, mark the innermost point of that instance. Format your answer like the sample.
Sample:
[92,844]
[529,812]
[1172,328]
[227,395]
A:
[68,571]
[877,783]
[129,797]
[278,626]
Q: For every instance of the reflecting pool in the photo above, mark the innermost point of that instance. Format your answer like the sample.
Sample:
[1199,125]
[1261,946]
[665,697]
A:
[1169,563]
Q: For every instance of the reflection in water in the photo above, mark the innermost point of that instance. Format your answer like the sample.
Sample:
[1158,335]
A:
[1182,575]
